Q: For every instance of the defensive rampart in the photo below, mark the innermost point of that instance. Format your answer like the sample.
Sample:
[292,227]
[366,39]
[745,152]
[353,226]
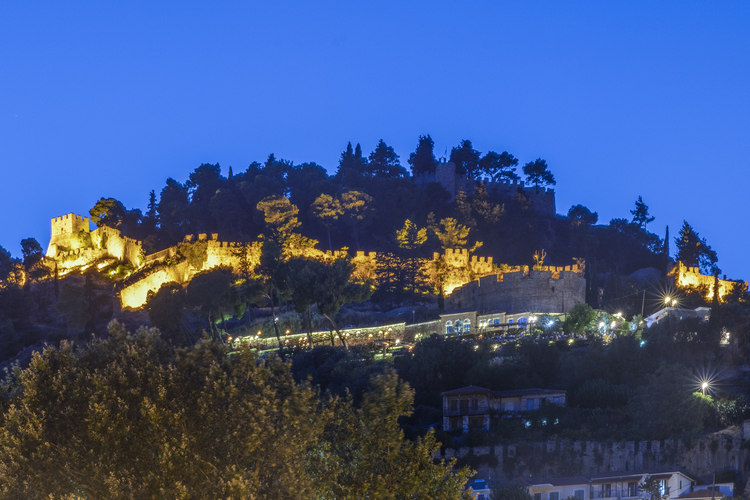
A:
[74,246]
[686,277]
[548,290]
[586,458]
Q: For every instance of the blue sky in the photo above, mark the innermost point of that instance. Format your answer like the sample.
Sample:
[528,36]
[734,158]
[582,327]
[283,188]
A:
[621,98]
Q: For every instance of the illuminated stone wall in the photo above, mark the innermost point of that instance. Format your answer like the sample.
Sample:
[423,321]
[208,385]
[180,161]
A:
[134,296]
[106,242]
[120,247]
[686,277]
[64,233]
[550,290]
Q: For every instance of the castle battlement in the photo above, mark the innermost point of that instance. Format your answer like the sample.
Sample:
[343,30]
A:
[551,289]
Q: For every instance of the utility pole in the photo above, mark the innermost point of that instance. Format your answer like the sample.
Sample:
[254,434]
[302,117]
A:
[643,302]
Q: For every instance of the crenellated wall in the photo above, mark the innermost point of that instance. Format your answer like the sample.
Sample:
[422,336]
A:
[691,277]
[65,233]
[549,290]
[135,295]
[74,246]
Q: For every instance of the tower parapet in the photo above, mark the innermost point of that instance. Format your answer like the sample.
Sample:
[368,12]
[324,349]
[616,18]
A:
[66,233]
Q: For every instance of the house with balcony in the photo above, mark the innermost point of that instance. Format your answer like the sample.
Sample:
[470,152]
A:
[615,485]
[470,407]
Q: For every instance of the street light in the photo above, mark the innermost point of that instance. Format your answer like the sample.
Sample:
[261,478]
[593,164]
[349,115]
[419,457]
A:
[704,386]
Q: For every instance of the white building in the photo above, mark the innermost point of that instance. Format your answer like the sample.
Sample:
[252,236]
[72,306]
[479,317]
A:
[612,485]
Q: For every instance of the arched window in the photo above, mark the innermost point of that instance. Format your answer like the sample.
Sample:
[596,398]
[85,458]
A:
[467,325]
[448,327]
[522,320]
[457,326]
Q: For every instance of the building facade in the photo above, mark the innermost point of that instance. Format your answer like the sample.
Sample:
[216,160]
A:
[471,407]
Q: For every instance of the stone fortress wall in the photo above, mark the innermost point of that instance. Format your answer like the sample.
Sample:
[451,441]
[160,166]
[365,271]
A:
[549,290]
[569,458]
[74,246]
[691,277]
[445,174]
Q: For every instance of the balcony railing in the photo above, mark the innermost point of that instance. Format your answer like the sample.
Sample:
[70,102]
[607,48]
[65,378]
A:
[466,411]
[616,494]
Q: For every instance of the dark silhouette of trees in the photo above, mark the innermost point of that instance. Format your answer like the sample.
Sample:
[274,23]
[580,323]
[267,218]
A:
[384,162]
[693,251]
[640,213]
[422,160]
[538,173]
[466,159]
[499,166]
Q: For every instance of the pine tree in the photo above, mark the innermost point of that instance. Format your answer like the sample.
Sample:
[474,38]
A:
[640,213]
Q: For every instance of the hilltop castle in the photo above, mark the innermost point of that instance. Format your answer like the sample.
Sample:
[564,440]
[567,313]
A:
[445,174]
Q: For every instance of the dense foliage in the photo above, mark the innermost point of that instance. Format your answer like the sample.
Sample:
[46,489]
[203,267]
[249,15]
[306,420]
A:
[131,416]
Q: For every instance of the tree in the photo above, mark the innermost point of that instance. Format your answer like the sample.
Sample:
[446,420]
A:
[352,167]
[384,162]
[410,236]
[166,312]
[336,289]
[466,159]
[640,213]
[137,418]
[33,259]
[369,457]
[422,160]
[73,306]
[651,488]
[110,212]
[668,395]
[693,251]
[453,234]
[510,491]
[280,217]
[355,210]
[537,173]
[302,279]
[327,209]
[173,211]
[579,319]
[582,216]
[212,293]
[151,219]
[499,166]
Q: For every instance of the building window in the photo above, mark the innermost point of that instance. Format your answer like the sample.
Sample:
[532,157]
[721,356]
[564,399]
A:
[606,490]
[578,494]
[467,325]
[529,404]
[454,405]
[510,321]
[448,327]
[457,326]
[663,488]
[522,320]
[537,496]
[632,489]
[497,321]
[554,495]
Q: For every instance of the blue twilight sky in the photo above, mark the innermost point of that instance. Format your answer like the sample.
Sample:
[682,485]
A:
[621,98]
